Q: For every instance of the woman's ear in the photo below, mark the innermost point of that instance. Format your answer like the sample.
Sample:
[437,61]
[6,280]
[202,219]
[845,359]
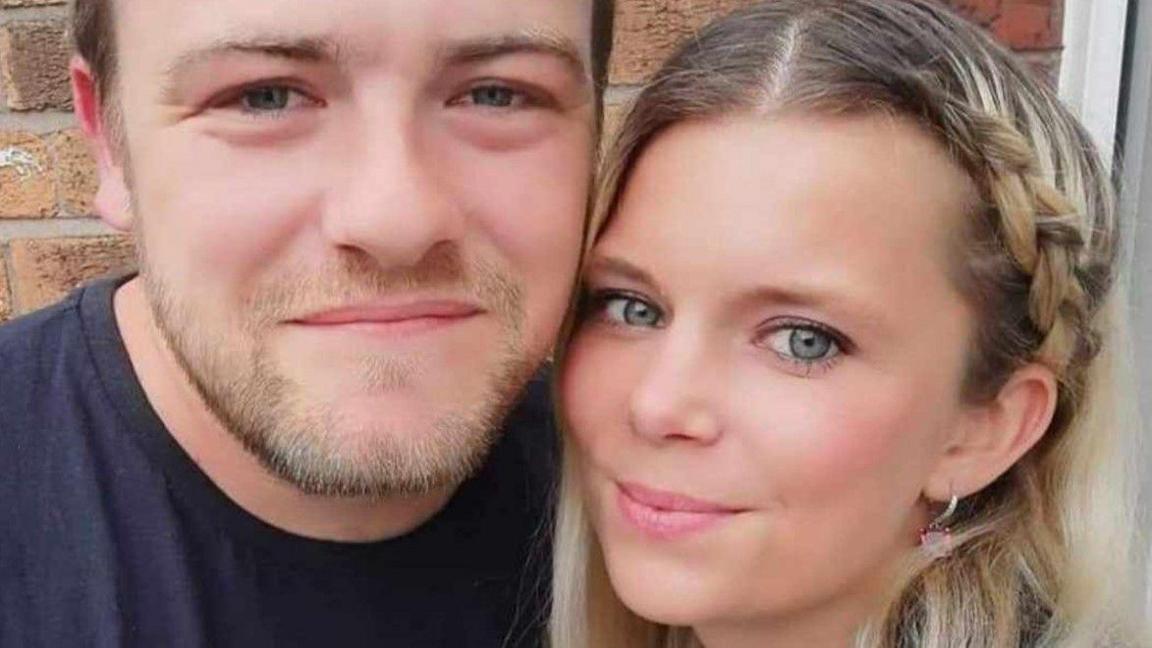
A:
[112,196]
[996,434]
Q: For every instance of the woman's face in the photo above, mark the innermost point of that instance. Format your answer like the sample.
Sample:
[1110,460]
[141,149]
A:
[769,367]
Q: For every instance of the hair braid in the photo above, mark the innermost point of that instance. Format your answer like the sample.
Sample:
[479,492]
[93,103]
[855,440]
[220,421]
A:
[1040,228]
[1030,218]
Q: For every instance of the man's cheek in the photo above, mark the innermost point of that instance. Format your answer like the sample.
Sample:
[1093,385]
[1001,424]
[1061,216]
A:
[542,219]
[234,221]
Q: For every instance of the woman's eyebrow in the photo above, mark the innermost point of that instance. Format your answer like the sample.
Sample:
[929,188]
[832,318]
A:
[618,267]
[837,300]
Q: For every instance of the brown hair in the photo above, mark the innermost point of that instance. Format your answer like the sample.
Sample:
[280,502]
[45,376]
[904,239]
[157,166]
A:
[1037,562]
[94,37]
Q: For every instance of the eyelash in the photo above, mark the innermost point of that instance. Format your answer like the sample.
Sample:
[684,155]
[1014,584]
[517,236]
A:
[596,302]
[234,98]
[522,98]
[843,345]
[526,98]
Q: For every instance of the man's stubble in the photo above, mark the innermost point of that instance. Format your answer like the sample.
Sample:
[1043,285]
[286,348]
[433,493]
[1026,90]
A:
[308,442]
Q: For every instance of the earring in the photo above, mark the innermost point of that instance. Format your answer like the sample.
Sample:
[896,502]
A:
[936,538]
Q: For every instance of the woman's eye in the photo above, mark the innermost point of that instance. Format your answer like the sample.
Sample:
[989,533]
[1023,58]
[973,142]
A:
[626,310]
[805,345]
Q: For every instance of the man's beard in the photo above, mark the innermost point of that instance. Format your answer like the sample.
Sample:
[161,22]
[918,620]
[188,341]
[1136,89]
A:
[308,442]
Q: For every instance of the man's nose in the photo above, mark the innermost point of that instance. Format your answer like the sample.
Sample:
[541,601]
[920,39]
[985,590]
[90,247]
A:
[388,200]
[675,399]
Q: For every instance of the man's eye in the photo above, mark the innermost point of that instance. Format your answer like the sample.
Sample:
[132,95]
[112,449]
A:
[270,99]
[494,96]
[626,310]
[803,344]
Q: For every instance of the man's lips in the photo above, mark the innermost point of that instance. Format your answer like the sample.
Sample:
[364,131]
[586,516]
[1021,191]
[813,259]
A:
[430,312]
[665,515]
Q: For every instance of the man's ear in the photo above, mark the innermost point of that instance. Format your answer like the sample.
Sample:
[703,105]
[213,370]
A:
[996,434]
[112,196]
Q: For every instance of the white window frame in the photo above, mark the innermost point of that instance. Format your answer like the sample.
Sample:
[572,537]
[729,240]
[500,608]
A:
[1136,202]
[1092,64]
[1136,194]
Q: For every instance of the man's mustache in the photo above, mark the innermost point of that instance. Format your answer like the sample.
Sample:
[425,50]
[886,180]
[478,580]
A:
[354,278]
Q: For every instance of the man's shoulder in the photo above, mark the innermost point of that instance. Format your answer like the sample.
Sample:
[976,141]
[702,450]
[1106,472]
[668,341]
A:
[532,422]
[33,344]
[42,355]
[530,433]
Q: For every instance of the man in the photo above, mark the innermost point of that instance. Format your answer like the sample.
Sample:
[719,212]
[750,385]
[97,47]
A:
[358,222]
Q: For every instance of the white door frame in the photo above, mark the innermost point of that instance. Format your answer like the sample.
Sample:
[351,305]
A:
[1136,188]
[1090,68]
[1136,202]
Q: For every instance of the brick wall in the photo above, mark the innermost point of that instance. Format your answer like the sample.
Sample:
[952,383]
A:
[48,241]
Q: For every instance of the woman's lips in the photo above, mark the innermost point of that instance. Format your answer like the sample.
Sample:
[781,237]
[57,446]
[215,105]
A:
[666,515]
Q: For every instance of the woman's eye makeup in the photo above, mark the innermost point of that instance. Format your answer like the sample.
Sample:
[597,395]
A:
[625,309]
[805,345]
[809,345]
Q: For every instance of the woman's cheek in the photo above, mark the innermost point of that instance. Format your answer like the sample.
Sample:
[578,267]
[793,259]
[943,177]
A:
[592,391]
[827,436]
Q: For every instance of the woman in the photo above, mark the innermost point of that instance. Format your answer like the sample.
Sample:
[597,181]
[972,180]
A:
[844,370]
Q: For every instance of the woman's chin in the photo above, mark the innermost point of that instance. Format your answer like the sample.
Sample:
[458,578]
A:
[665,596]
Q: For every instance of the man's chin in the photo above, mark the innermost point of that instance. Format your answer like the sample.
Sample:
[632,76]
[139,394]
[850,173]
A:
[349,454]
[405,439]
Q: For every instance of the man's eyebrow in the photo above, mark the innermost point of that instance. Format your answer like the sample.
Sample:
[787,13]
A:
[311,50]
[527,42]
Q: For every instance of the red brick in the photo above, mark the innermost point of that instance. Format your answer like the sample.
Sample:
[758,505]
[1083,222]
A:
[1028,25]
[26,188]
[34,55]
[45,270]
[74,172]
[982,12]
[647,31]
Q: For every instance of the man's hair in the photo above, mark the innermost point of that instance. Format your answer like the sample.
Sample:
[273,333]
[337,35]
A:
[94,36]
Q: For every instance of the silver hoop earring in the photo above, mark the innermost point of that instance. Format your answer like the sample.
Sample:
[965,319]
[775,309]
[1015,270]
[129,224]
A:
[936,538]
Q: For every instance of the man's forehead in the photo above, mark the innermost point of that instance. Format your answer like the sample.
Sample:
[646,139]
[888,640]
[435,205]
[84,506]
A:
[363,28]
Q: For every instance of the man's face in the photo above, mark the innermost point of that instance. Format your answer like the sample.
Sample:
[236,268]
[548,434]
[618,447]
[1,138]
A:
[358,219]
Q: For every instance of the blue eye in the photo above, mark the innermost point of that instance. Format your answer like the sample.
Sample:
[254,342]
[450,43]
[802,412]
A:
[494,96]
[627,310]
[267,99]
[803,344]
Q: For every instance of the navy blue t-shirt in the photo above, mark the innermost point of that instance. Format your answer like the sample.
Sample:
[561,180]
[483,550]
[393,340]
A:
[110,535]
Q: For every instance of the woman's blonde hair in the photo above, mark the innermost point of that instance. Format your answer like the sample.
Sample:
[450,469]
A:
[1044,555]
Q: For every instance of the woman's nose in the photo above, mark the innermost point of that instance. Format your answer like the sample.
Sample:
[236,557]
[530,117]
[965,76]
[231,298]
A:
[674,400]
